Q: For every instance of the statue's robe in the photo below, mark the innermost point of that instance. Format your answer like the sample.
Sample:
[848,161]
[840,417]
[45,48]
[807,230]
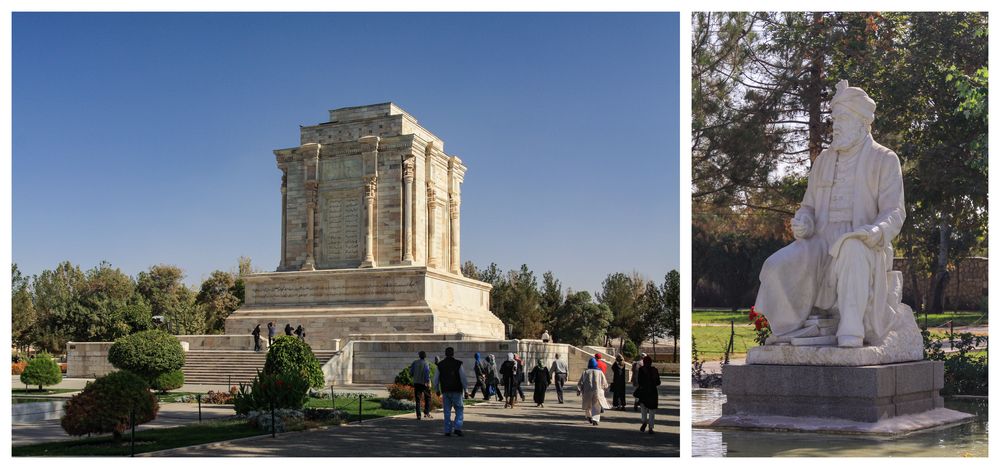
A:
[808,273]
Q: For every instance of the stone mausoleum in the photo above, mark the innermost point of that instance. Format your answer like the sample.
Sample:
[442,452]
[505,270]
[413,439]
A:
[370,236]
[369,266]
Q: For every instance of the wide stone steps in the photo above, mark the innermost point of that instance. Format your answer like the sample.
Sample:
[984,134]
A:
[230,367]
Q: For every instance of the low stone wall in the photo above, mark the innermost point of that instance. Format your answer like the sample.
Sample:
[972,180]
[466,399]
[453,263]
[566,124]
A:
[966,288]
[220,342]
[87,359]
[379,362]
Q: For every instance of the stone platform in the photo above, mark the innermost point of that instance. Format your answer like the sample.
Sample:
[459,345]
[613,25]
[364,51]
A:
[883,399]
[332,305]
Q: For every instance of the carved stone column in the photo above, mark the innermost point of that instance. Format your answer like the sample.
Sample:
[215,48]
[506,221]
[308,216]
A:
[312,191]
[284,219]
[432,245]
[371,187]
[408,176]
[454,206]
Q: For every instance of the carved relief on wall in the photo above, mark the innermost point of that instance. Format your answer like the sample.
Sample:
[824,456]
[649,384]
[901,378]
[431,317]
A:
[342,222]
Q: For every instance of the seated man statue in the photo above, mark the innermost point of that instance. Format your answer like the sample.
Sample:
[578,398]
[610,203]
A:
[834,285]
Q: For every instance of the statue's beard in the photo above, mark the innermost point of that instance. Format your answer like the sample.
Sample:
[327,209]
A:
[847,140]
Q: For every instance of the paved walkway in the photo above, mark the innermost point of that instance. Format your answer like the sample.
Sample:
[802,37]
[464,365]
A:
[170,415]
[490,430]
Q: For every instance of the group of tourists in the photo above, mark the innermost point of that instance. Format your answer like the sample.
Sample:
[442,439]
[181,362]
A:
[505,380]
[299,332]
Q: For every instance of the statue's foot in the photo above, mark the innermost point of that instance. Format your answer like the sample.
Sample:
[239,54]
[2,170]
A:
[850,341]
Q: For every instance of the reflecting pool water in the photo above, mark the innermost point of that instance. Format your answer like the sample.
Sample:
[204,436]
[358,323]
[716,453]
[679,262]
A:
[968,439]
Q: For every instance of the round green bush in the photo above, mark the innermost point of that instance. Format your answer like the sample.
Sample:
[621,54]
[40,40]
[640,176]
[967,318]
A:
[41,371]
[167,381]
[289,353]
[105,404]
[147,353]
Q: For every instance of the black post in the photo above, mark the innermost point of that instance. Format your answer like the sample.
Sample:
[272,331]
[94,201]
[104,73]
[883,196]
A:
[951,334]
[273,432]
[230,378]
[333,400]
[132,423]
[199,408]
[359,408]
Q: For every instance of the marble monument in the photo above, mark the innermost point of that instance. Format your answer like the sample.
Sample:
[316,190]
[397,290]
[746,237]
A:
[370,235]
[845,355]
[831,297]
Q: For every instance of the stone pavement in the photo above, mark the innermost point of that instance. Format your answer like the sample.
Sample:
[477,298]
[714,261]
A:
[170,415]
[490,430]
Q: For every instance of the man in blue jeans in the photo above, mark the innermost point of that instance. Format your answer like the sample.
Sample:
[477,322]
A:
[450,383]
[420,370]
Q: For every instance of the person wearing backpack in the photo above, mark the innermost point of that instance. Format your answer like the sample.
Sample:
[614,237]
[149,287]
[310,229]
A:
[451,385]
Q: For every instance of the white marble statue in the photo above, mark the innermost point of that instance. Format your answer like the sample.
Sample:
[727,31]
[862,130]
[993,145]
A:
[834,284]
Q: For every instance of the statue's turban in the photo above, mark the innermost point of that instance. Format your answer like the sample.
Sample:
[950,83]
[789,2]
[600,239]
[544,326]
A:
[855,100]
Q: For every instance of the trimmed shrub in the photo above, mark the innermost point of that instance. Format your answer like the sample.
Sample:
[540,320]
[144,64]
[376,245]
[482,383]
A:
[404,377]
[402,392]
[104,405]
[41,371]
[290,354]
[284,390]
[148,354]
[167,381]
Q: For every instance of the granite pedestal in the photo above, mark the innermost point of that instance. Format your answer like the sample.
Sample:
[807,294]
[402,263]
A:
[885,399]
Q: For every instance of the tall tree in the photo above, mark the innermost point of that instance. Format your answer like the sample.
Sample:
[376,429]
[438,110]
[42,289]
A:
[218,297]
[55,303]
[580,321]
[22,311]
[620,293]
[552,296]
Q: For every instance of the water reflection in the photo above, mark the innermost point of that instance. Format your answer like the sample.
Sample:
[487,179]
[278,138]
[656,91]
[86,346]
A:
[969,439]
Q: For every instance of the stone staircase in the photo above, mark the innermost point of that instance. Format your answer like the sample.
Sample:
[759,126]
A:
[230,367]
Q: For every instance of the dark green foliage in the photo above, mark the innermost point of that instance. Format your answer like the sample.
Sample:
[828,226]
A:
[405,378]
[104,405]
[41,371]
[148,354]
[166,381]
[630,350]
[283,390]
[288,354]
[580,321]
[966,372]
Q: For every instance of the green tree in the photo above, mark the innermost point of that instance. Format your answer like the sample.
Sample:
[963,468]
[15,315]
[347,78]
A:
[670,323]
[23,316]
[41,371]
[218,297]
[580,321]
[55,303]
[620,293]
[170,299]
[551,296]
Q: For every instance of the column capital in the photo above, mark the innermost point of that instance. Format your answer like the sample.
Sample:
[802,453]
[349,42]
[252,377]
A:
[409,168]
[431,196]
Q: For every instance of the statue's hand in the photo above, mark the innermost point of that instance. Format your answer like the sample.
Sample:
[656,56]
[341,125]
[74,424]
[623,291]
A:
[802,227]
[874,238]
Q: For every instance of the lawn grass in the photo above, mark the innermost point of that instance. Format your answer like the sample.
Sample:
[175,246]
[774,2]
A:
[370,408]
[961,318]
[145,440]
[712,340]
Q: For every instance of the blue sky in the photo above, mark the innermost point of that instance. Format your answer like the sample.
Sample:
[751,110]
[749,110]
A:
[147,138]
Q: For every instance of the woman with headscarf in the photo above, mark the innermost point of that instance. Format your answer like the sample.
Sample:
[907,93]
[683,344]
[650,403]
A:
[508,372]
[618,375]
[592,385]
[648,380]
[540,377]
[493,378]
[520,375]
